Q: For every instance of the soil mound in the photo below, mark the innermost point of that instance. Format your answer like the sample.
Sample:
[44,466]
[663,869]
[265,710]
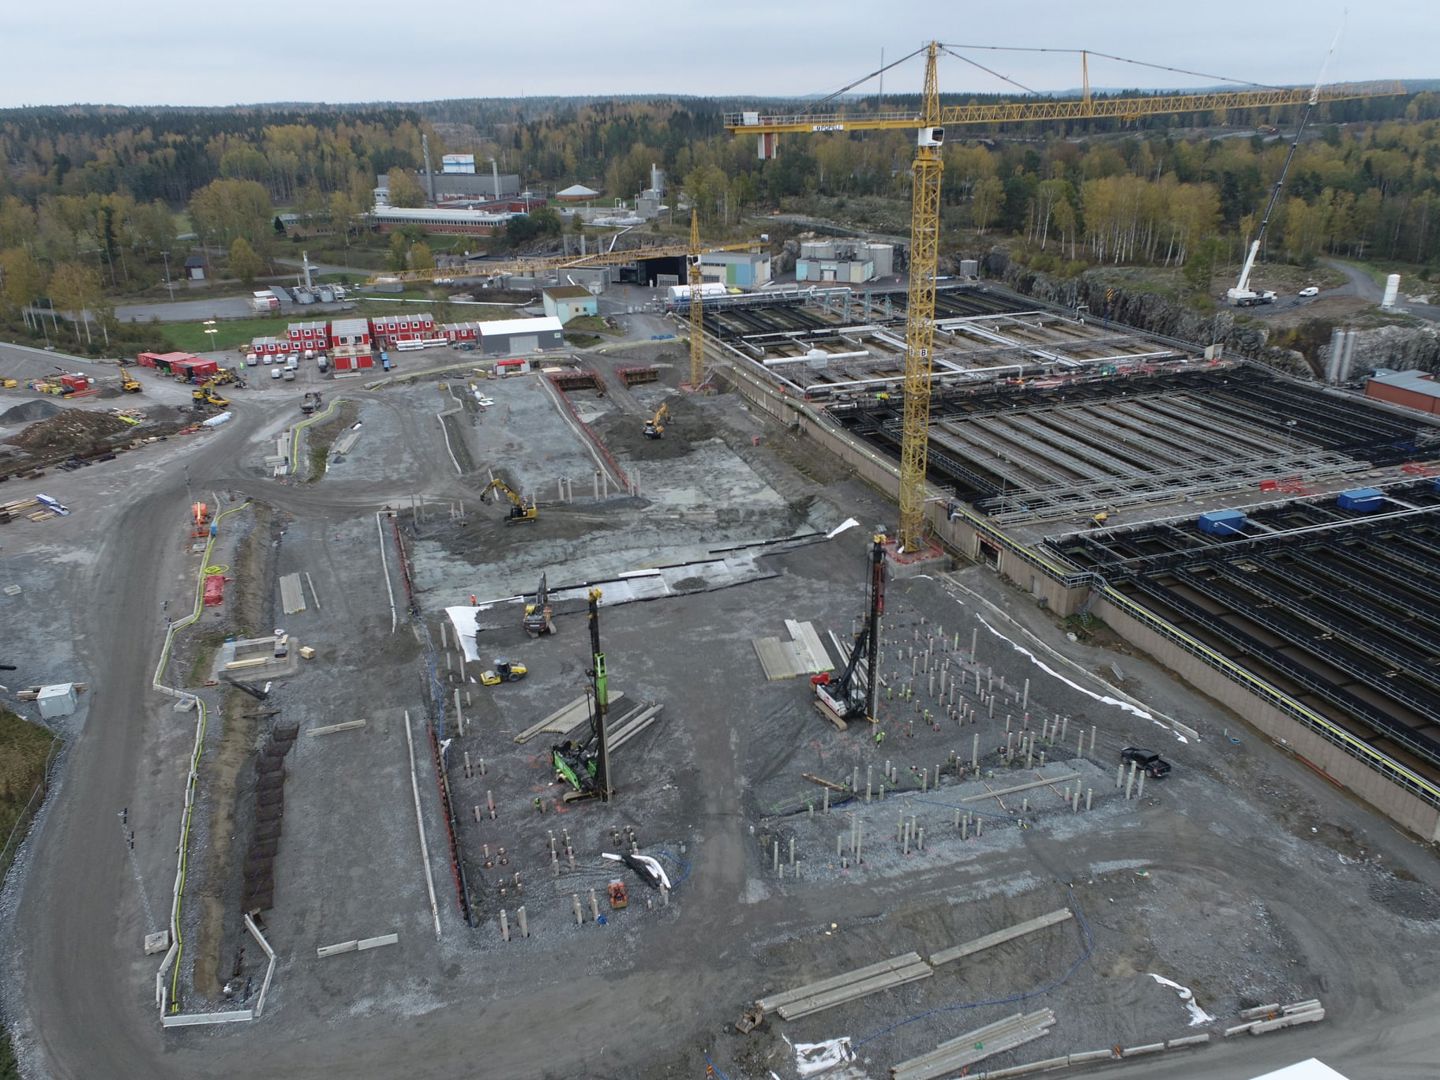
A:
[71,431]
[29,412]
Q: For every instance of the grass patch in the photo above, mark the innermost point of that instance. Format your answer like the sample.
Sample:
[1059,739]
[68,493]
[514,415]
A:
[230,333]
[582,341]
[23,749]
[591,324]
[207,644]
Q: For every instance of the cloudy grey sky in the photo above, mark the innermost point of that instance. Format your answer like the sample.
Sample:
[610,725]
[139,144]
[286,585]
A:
[194,52]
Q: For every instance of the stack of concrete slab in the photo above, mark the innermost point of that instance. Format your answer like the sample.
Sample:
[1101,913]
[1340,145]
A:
[803,655]
[292,595]
[840,989]
[999,937]
[960,1053]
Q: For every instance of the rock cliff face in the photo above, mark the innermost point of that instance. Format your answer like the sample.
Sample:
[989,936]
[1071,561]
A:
[1397,347]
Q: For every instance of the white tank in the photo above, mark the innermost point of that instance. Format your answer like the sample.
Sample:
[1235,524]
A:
[1392,291]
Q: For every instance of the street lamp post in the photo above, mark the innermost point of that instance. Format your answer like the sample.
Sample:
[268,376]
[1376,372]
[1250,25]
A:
[210,332]
[168,283]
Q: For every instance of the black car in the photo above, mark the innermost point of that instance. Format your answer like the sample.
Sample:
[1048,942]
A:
[1149,762]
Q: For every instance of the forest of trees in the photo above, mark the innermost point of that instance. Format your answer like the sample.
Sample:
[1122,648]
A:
[88,195]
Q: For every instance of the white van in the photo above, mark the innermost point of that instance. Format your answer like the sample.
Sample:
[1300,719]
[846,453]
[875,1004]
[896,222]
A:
[251,360]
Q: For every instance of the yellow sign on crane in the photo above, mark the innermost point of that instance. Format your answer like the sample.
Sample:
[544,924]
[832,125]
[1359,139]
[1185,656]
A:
[929,123]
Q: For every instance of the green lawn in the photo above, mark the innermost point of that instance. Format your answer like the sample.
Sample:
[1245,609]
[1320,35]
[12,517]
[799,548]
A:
[23,749]
[230,333]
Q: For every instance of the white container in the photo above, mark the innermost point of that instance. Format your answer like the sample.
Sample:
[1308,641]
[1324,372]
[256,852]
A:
[57,700]
[216,421]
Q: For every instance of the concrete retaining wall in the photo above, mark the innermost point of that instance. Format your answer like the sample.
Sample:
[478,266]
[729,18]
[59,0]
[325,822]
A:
[1374,787]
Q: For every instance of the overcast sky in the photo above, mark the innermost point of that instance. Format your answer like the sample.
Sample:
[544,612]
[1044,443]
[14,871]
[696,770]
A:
[193,52]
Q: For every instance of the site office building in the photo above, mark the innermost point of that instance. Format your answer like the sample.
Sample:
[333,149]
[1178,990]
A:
[350,345]
[391,330]
[308,335]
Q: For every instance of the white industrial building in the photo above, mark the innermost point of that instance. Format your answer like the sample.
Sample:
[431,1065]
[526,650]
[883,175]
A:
[845,262]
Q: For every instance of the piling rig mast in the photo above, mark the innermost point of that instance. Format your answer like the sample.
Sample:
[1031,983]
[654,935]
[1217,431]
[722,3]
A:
[845,697]
[585,766]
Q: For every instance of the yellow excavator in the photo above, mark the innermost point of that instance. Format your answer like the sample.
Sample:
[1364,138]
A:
[205,394]
[655,426]
[128,383]
[520,510]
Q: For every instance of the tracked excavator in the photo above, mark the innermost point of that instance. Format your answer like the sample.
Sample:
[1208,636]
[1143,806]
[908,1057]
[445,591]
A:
[538,620]
[655,426]
[520,510]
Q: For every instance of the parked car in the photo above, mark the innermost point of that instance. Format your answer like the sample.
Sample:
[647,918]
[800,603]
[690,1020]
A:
[277,373]
[267,359]
[251,359]
[1149,762]
[1310,290]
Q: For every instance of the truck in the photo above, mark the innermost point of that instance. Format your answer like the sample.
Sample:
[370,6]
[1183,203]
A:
[310,402]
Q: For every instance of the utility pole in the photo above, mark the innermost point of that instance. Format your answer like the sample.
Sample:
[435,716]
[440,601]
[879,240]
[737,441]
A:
[168,283]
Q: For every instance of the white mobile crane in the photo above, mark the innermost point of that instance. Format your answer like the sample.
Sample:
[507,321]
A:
[1242,295]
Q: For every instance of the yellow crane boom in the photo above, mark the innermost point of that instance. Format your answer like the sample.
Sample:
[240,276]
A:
[930,121]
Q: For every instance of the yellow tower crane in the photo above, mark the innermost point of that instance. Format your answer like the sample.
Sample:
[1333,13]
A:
[930,122]
[697,312]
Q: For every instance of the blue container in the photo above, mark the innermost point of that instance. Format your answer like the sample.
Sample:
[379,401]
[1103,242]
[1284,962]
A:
[1361,500]
[1223,523]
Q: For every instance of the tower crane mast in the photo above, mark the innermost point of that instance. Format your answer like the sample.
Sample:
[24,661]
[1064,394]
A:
[930,122]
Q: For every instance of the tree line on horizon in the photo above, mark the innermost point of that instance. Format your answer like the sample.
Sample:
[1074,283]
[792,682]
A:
[89,196]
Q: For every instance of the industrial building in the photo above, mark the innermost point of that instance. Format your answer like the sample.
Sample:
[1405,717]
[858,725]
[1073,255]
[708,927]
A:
[743,269]
[565,302]
[511,337]
[451,220]
[847,262]
[451,184]
[1413,389]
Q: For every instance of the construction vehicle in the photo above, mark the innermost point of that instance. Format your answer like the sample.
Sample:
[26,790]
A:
[200,520]
[205,394]
[1098,521]
[1242,295]
[929,122]
[585,766]
[538,616]
[520,510]
[503,671]
[310,402]
[655,426]
[852,695]
[128,383]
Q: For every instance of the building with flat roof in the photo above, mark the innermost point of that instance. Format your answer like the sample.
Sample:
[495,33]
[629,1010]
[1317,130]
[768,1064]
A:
[440,219]
[1413,389]
[566,302]
[461,185]
[515,337]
